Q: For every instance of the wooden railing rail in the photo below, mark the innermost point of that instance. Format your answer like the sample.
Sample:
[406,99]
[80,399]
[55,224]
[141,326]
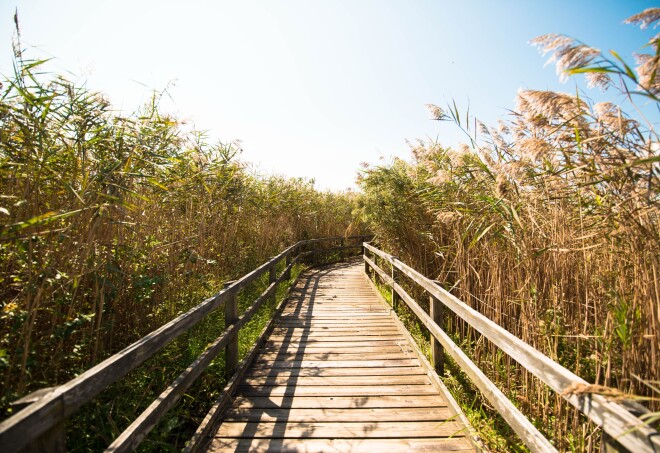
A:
[51,408]
[616,421]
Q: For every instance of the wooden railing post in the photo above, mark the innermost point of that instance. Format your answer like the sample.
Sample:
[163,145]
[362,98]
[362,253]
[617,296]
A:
[310,250]
[437,353]
[287,275]
[610,445]
[366,265]
[231,350]
[272,276]
[53,440]
[395,279]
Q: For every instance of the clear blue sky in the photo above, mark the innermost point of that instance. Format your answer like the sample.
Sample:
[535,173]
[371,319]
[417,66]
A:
[314,87]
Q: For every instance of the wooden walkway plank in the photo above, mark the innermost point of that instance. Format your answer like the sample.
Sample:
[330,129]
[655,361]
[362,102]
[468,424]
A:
[334,430]
[341,445]
[355,371]
[347,390]
[337,374]
[402,414]
[341,402]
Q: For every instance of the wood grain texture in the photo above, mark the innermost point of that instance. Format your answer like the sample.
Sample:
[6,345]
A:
[336,374]
[340,445]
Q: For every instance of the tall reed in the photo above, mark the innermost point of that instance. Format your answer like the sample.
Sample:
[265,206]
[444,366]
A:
[111,225]
[547,224]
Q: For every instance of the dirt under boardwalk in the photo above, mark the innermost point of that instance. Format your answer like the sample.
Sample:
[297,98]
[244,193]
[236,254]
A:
[337,375]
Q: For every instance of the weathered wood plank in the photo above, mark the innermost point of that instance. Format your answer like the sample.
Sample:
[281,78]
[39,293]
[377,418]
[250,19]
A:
[298,381]
[321,372]
[348,315]
[334,336]
[303,338]
[331,316]
[347,390]
[335,402]
[335,364]
[338,344]
[341,430]
[297,349]
[325,330]
[317,330]
[340,445]
[334,311]
[330,356]
[306,328]
[400,414]
[380,321]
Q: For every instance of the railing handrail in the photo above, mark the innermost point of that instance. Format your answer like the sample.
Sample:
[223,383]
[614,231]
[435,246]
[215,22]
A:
[614,418]
[60,403]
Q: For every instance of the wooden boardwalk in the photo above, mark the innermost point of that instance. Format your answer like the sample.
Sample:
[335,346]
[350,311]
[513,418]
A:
[337,374]
[335,370]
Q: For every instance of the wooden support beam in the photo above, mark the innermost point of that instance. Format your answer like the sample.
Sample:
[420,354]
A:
[231,350]
[287,271]
[437,353]
[395,280]
[272,277]
[366,265]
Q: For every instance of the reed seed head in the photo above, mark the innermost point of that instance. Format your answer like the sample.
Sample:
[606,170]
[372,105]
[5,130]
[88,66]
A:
[436,112]
[598,80]
[645,18]
[647,70]
[567,53]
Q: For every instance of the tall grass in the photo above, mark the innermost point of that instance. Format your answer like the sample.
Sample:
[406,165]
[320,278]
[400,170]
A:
[111,225]
[548,225]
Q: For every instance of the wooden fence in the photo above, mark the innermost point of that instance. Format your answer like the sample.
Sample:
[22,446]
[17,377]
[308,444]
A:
[39,426]
[622,427]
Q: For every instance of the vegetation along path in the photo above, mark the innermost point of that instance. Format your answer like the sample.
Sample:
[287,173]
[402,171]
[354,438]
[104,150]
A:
[337,373]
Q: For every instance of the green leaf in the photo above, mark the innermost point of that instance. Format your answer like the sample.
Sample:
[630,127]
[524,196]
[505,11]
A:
[646,160]
[42,219]
[514,214]
[592,70]
[481,235]
[629,71]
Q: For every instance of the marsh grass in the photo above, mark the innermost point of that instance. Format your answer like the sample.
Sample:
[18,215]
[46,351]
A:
[110,226]
[548,225]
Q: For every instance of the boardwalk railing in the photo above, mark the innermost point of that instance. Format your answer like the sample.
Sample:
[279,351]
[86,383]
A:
[40,425]
[616,421]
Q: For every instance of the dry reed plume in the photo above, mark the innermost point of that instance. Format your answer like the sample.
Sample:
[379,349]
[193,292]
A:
[548,226]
